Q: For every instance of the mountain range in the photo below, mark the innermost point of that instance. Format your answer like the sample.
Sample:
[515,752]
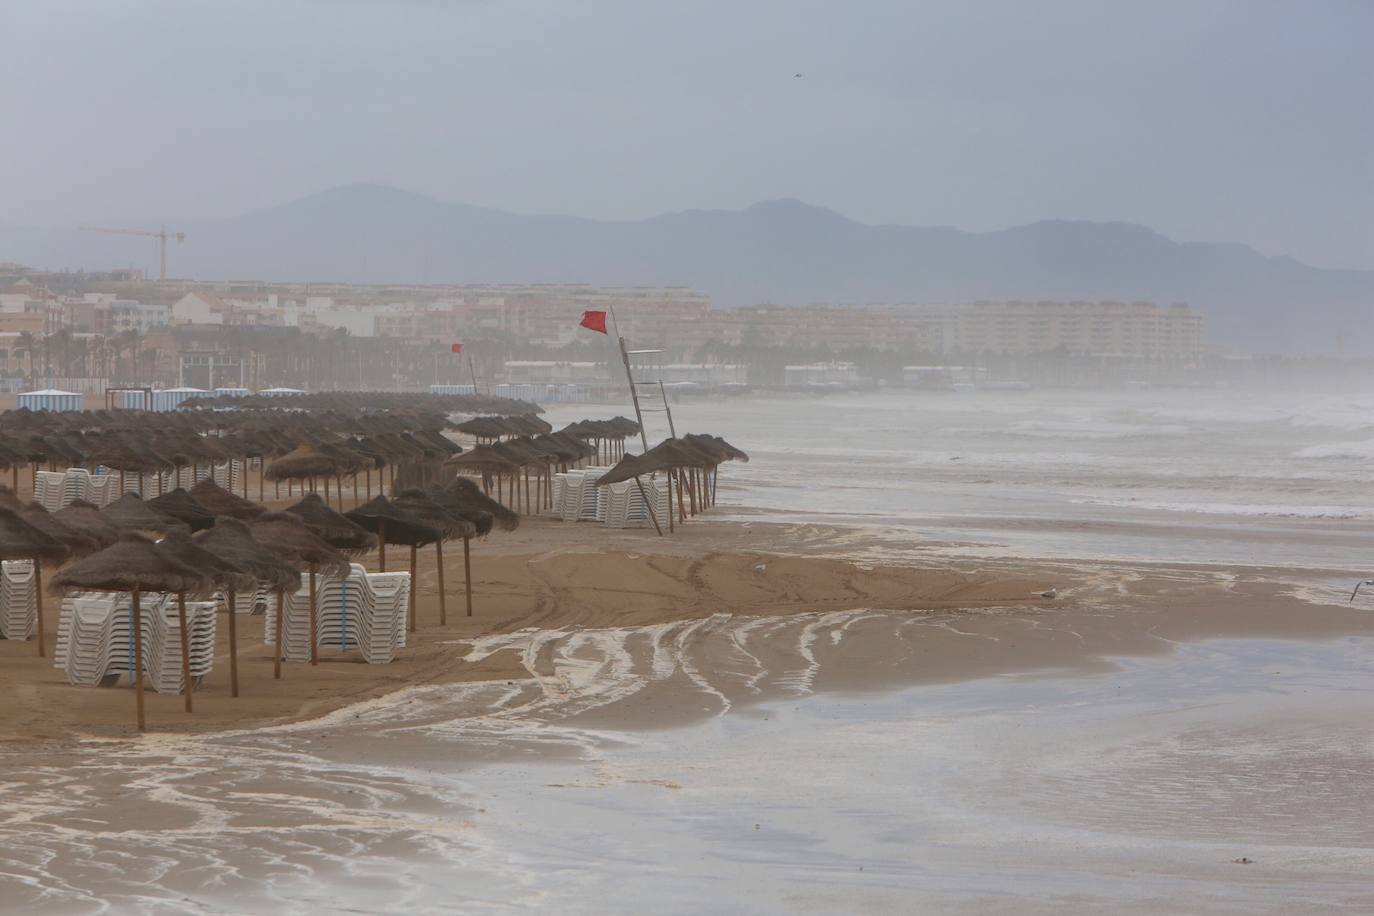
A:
[779,251]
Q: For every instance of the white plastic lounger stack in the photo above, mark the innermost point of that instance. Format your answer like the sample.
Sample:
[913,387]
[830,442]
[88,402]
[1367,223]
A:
[104,489]
[55,490]
[95,644]
[162,642]
[365,612]
[626,507]
[576,497]
[249,602]
[18,600]
[93,638]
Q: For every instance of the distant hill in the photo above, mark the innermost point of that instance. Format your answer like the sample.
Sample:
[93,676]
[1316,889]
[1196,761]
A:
[781,251]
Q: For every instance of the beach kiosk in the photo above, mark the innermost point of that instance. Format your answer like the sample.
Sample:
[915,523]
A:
[51,399]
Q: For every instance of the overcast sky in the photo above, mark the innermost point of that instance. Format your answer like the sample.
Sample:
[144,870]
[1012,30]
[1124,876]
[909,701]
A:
[1248,121]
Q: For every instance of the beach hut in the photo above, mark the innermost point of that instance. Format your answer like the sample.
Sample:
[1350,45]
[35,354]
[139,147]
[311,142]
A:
[51,399]
[172,398]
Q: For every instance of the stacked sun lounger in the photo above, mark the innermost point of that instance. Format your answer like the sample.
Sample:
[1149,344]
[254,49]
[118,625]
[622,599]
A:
[576,497]
[162,642]
[625,506]
[363,612]
[248,602]
[18,600]
[54,490]
[95,642]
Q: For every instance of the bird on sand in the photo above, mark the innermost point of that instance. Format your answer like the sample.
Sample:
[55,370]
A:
[1357,588]
[761,568]
[1051,593]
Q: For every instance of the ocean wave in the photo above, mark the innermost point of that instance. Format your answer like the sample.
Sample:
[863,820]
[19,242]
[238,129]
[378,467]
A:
[1240,509]
[1361,449]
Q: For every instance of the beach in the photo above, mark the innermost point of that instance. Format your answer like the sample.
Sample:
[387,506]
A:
[841,689]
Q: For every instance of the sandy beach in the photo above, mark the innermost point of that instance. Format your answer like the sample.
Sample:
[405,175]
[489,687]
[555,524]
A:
[554,576]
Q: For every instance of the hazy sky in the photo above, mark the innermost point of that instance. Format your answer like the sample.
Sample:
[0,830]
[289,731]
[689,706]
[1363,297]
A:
[1245,121]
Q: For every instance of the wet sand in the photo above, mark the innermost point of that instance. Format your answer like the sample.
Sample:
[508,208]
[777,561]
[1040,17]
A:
[978,618]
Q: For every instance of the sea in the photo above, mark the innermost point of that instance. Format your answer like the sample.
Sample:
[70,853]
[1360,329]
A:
[1222,776]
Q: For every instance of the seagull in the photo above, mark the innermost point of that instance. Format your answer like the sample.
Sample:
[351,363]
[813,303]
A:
[761,568]
[1357,588]
[1051,594]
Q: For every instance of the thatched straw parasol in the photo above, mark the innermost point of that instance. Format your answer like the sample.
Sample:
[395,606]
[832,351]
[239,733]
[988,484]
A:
[304,463]
[133,564]
[287,535]
[183,507]
[336,530]
[21,541]
[88,520]
[395,525]
[220,501]
[129,513]
[220,573]
[78,542]
[419,504]
[231,540]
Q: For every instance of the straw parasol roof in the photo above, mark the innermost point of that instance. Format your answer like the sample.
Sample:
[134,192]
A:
[220,501]
[467,494]
[419,504]
[305,461]
[338,531]
[8,500]
[287,535]
[397,525]
[21,541]
[232,540]
[132,562]
[183,507]
[222,572]
[77,541]
[89,520]
[129,513]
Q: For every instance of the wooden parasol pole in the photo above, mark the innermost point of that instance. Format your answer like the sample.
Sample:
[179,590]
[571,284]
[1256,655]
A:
[314,620]
[443,600]
[137,613]
[185,649]
[38,588]
[467,571]
[381,545]
[233,646]
[413,589]
[276,657]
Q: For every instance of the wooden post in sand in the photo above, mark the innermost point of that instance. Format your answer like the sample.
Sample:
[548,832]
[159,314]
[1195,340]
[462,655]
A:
[137,614]
[443,601]
[467,571]
[381,545]
[233,646]
[276,656]
[38,591]
[413,589]
[314,618]
[185,649]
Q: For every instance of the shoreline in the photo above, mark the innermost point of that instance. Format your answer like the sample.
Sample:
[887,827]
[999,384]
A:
[555,577]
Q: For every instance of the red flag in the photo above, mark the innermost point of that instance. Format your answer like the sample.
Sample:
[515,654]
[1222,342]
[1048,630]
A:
[457,348]
[594,321]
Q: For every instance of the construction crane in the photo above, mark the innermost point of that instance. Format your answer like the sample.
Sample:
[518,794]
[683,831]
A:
[162,236]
